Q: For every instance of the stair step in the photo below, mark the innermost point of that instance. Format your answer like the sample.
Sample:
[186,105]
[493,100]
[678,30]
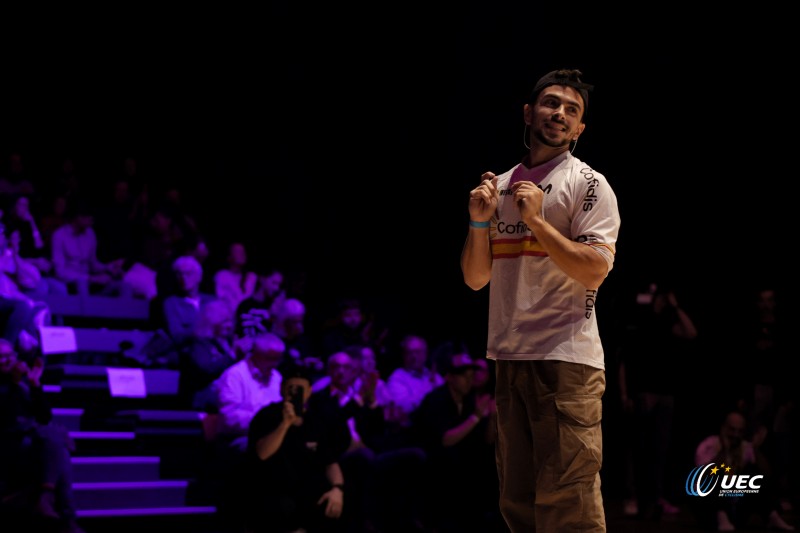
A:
[130,494]
[158,381]
[148,511]
[171,416]
[103,435]
[104,442]
[68,417]
[194,519]
[115,468]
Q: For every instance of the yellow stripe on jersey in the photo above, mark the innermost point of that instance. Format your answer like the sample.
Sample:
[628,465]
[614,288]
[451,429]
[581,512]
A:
[510,248]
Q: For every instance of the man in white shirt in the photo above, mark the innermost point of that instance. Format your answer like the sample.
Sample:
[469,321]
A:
[247,386]
[409,383]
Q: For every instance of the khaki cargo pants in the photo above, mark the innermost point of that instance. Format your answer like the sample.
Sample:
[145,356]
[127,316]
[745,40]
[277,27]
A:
[549,447]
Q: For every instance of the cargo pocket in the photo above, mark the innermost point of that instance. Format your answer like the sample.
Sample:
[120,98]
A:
[580,437]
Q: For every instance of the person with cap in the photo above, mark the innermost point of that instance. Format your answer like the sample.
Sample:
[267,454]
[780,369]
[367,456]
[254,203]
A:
[452,424]
[544,232]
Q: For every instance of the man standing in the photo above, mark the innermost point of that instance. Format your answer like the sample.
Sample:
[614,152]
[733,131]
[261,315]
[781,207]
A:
[544,233]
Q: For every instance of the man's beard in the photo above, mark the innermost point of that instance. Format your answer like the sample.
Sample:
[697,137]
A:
[541,138]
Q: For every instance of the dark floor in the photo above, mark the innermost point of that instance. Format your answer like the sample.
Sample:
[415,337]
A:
[683,522]
[617,522]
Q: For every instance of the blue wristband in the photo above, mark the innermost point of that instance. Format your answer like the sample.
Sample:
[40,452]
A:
[479,224]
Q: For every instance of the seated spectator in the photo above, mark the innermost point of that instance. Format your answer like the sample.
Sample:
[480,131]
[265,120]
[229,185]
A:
[292,478]
[29,244]
[380,474]
[454,426]
[254,313]
[159,236]
[208,352]
[167,283]
[30,279]
[236,281]
[74,256]
[16,274]
[483,382]
[36,471]
[50,221]
[368,375]
[16,322]
[247,386]
[180,310]
[348,327]
[736,456]
[409,383]
[288,323]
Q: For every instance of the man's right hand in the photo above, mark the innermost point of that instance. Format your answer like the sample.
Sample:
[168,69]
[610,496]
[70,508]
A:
[484,198]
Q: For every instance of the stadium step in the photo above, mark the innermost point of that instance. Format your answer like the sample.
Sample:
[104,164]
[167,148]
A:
[115,468]
[116,495]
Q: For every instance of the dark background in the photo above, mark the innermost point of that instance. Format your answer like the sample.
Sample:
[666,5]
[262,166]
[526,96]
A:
[344,140]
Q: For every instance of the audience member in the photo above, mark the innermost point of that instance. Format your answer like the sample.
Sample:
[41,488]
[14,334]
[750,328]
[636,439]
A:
[160,237]
[292,480]
[235,281]
[454,426]
[247,386]
[18,279]
[15,321]
[731,454]
[207,353]
[167,283]
[288,322]
[74,256]
[171,199]
[483,381]
[381,476]
[40,282]
[50,221]
[662,331]
[367,375]
[350,326]
[766,391]
[409,383]
[18,217]
[36,471]
[254,313]
[180,310]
